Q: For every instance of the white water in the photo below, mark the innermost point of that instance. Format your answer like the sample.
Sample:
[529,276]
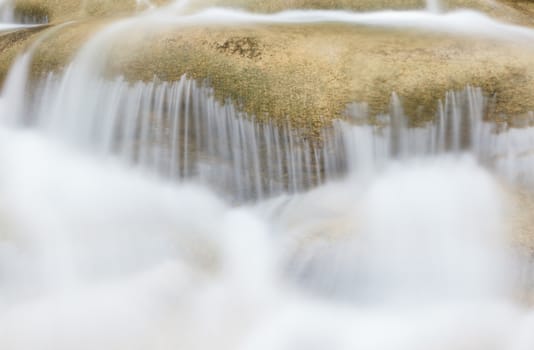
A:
[10,21]
[408,251]
[180,131]
[459,22]
[94,255]
[6,12]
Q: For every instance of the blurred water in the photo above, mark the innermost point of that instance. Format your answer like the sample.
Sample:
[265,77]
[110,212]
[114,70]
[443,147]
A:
[96,255]
[126,222]
[180,131]
[6,11]
[10,20]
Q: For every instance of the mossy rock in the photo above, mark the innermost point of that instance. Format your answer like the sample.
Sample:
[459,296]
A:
[306,73]
[309,73]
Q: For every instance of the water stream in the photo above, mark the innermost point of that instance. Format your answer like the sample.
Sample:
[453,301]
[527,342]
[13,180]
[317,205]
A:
[154,216]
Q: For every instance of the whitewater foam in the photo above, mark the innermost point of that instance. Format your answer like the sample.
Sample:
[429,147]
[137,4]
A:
[113,259]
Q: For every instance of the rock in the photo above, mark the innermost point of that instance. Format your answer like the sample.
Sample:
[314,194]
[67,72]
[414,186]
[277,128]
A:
[310,73]
[305,73]
[12,44]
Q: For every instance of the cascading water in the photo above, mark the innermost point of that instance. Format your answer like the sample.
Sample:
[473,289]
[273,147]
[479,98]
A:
[10,20]
[383,236]
[6,11]
[180,131]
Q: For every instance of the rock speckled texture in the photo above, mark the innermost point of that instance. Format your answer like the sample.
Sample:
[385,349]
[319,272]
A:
[303,73]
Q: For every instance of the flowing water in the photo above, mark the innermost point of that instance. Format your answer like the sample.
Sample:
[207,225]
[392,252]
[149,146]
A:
[6,11]
[153,216]
[9,20]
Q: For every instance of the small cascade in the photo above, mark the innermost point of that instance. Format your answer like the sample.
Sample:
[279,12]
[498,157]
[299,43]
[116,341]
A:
[10,19]
[458,127]
[6,12]
[181,131]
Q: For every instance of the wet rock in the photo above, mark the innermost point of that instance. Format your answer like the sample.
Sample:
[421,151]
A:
[305,73]
[310,73]
[12,43]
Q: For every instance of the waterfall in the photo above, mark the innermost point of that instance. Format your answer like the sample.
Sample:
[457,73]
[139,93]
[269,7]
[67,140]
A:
[458,127]
[6,11]
[11,20]
[157,215]
[181,131]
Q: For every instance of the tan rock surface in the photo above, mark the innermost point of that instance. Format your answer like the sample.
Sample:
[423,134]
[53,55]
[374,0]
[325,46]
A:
[307,73]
